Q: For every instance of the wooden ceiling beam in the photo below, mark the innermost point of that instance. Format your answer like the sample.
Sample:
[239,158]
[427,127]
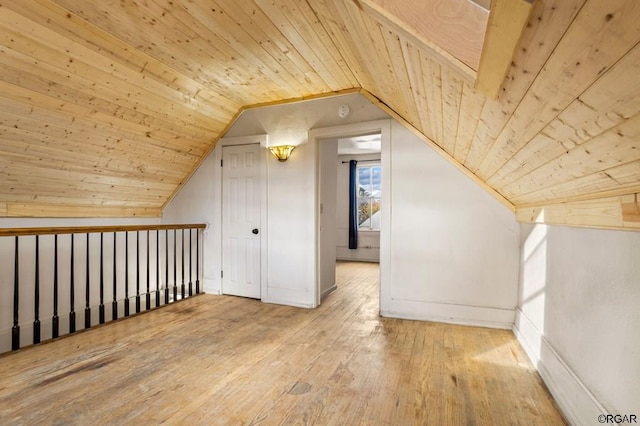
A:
[507,21]
[451,31]
[621,213]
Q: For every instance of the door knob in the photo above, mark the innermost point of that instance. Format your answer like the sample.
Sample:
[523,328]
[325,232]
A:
[255,231]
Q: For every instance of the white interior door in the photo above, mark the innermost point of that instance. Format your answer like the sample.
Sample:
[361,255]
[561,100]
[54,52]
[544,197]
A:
[241,220]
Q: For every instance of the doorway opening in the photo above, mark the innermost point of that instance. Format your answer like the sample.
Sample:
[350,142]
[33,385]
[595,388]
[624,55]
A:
[351,198]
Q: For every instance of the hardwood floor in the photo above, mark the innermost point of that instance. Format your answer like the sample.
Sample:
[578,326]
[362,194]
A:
[228,360]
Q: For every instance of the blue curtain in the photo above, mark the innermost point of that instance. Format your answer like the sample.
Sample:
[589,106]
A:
[353,206]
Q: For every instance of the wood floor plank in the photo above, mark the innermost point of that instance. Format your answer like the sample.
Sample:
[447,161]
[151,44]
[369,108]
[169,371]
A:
[229,360]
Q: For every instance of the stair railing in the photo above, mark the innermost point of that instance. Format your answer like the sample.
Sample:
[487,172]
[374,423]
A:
[44,278]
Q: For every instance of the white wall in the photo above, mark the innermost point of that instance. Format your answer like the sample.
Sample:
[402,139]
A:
[194,204]
[289,232]
[368,241]
[327,184]
[291,211]
[454,248]
[292,120]
[291,207]
[451,249]
[578,317]
[440,226]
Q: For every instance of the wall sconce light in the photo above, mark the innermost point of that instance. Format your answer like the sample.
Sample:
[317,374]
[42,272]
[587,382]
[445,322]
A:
[282,152]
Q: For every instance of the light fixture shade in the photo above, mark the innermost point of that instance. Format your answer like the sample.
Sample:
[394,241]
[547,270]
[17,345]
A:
[282,152]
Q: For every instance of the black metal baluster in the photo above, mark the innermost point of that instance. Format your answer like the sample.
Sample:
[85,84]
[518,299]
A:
[55,321]
[36,296]
[190,261]
[72,290]
[175,267]
[126,274]
[157,268]
[137,272]
[87,309]
[101,306]
[166,266]
[15,330]
[148,299]
[182,288]
[114,304]
[197,261]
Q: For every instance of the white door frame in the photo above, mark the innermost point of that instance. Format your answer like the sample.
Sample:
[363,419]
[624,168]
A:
[217,197]
[384,127]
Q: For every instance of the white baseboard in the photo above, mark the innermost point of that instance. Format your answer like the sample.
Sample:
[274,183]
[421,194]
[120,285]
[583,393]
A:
[449,313]
[328,291]
[352,259]
[211,286]
[576,402]
[289,297]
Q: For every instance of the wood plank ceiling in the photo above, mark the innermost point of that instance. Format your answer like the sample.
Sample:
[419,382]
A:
[106,107]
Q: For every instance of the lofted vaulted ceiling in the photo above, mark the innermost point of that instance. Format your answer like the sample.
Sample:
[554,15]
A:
[107,107]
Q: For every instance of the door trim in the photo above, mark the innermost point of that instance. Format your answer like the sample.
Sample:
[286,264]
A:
[384,127]
[217,223]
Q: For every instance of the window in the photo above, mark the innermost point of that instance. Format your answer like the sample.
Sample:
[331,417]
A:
[369,187]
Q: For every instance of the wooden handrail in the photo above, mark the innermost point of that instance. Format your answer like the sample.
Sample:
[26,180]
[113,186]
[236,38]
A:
[73,260]
[12,232]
